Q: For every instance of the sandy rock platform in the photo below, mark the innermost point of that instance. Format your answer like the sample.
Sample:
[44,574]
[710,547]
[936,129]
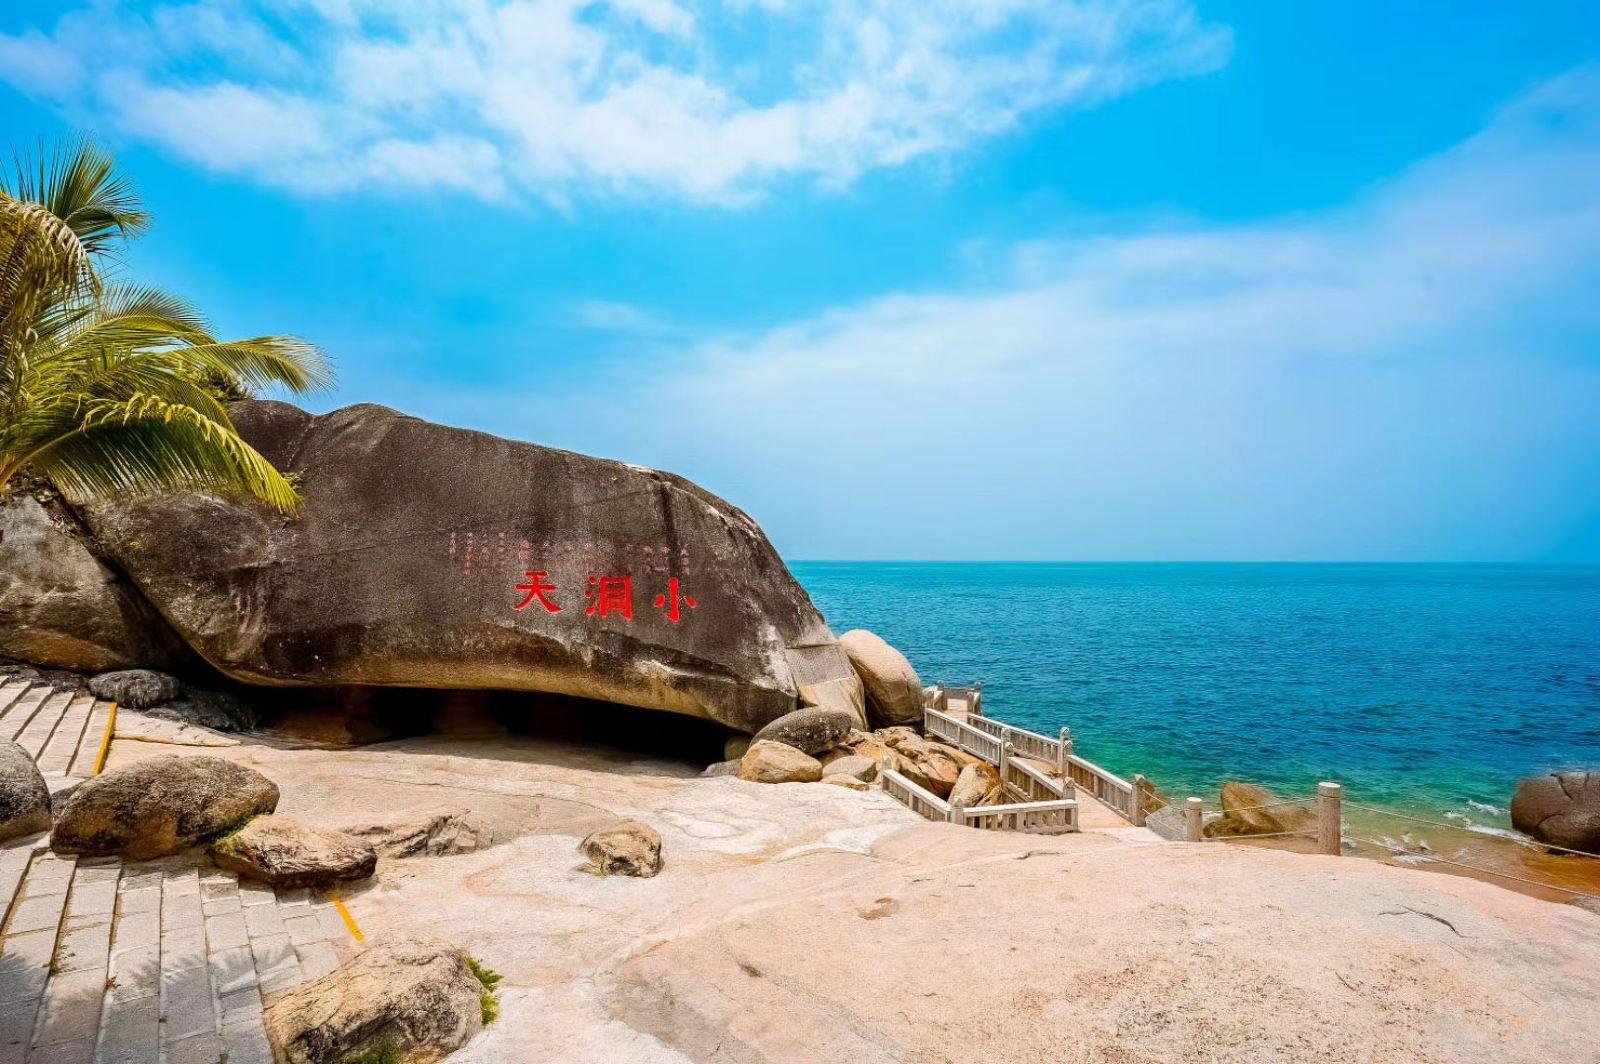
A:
[805,922]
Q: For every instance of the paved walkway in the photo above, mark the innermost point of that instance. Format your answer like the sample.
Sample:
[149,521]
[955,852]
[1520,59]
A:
[158,962]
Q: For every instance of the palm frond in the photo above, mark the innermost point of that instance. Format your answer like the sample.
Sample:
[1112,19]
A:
[144,444]
[78,182]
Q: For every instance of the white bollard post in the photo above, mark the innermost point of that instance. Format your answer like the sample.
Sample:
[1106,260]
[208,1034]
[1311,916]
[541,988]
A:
[1194,815]
[1061,752]
[1330,811]
[1005,757]
[958,811]
[1140,785]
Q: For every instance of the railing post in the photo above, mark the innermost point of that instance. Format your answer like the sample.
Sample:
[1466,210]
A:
[1061,751]
[1330,809]
[1194,816]
[958,811]
[1139,784]
[1005,756]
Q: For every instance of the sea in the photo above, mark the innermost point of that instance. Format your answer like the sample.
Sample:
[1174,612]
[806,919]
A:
[1426,690]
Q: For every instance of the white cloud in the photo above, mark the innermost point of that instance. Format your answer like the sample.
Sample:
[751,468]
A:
[711,99]
[1410,376]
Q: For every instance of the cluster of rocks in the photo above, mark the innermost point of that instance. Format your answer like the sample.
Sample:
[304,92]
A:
[828,744]
[818,744]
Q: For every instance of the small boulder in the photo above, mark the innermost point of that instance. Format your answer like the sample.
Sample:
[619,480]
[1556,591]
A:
[160,806]
[135,688]
[24,795]
[770,762]
[433,834]
[1243,813]
[415,1000]
[626,848]
[1562,809]
[284,853]
[734,746]
[894,694]
[809,729]
[854,765]
[974,783]
[839,779]
[722,768]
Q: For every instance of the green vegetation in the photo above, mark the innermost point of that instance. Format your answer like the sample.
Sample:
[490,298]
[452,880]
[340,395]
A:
[383,1053]
[110,388]
[489,999]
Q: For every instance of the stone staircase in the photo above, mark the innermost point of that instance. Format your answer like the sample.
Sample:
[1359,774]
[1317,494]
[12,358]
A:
[156,962]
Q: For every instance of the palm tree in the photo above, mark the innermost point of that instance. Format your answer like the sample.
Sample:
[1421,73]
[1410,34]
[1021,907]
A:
[108,388]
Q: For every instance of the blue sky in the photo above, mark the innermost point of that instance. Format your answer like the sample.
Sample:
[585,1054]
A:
[937,279]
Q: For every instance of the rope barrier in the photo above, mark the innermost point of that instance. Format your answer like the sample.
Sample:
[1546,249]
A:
[1479,868]
[1269,835]
[1267,805]
[1530,845]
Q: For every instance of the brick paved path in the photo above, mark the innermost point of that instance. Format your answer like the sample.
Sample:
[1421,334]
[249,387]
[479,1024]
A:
[157,962]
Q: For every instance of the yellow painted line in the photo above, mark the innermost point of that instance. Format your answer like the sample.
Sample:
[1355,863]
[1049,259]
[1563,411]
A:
[349,921]
[105,741]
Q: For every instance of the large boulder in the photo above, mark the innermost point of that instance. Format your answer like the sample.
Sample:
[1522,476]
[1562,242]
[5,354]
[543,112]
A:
[403,999]
[810,729]
[24,795]
[135,688]
[1251,810]
[626,848]
[160,806]
[429,556]
[769,762]
[284,853]
[894,694]
[1562,809]
[61,606]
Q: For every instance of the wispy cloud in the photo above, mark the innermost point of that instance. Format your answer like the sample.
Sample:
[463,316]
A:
[711,100]
[1365,381]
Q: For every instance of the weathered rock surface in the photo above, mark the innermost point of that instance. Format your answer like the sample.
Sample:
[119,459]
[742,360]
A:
[437,834]
[723,768]
[61,606]
[928,764]
[1242,813]
[974,784]
[24,796]
[160,806]
[218,710]
[135,688]
[839,779]
[284,853]
[769,762]
[403,569]
[810,729]
[894,694]
[149,728]
[626,848]
[416,999]
[853,765]
[1562,809]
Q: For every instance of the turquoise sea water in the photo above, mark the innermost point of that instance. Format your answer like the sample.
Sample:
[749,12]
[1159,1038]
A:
[1425,687]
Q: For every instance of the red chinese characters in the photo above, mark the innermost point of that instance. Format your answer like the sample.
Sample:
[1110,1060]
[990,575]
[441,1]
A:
[608,595]
[671,600]
[536,588]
